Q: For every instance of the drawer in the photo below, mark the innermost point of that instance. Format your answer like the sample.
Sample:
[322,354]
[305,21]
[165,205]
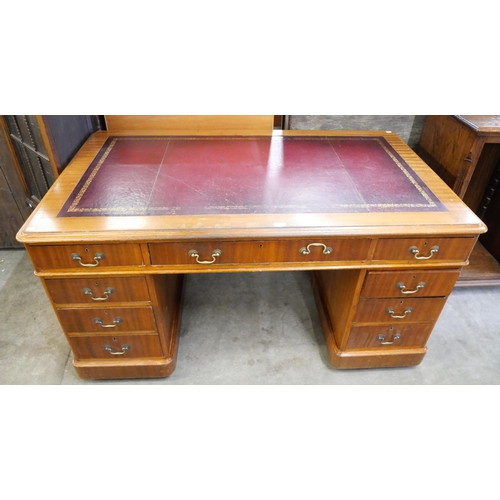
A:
[91,257]
[119,347]
[107,320]
[389,337]
[97,290]
[399,311]
[421,250]
[405,283]
[235,252]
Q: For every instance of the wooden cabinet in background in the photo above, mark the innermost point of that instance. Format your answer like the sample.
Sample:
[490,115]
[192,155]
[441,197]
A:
[464,150]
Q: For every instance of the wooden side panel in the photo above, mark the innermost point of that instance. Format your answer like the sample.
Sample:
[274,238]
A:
[340,294]
[445,144]
[166,293]
[192,124]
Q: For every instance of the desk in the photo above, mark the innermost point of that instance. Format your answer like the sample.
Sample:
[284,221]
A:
[384,238]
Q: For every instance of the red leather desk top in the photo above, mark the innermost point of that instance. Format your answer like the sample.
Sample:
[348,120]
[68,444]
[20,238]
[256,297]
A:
[246,175]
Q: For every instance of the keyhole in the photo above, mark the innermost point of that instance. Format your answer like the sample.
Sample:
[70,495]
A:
[86,249]
[96,283]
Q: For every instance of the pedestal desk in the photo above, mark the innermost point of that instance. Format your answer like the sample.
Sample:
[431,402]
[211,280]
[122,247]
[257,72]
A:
[384,238]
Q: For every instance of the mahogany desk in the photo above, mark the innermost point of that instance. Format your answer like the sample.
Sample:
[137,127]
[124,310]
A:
[384,237]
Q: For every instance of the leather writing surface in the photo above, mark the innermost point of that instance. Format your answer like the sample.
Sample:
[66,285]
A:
[245,175]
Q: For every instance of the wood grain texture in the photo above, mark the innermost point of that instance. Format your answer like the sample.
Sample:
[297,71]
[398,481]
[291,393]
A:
[60,256]
[72,291]
[191,125]
[450,249]
[93,347]
[78,321]
[385,283]
[411,336]
[377,310]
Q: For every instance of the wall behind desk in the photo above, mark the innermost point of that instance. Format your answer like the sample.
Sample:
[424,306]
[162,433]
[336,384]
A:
[408,127]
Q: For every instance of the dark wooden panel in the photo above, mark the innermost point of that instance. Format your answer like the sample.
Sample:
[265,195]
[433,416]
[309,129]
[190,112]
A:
[13,207]
[66,134]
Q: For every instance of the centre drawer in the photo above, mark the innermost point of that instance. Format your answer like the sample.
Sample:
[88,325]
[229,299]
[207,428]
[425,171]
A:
[267,251]
[107,320]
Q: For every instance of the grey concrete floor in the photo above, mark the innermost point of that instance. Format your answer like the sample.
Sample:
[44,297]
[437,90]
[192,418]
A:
[247,328]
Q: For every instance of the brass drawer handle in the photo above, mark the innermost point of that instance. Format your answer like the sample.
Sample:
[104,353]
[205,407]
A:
[125,348]
[216,253]
[402,287]
[97,257]
[390,311]
[307,251]
[397,336]
[107,293]
[415,251]
[116,321]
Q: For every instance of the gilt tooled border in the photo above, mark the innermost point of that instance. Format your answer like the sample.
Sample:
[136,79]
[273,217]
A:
[141,210]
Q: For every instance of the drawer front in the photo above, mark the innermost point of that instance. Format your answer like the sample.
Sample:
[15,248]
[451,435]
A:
[235,252]
[107,320]
[409,283]
[97,290]
[389,337]
[90,257]
[422,250]
[399,311]
[119,347]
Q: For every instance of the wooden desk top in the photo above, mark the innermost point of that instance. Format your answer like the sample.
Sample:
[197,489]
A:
[121,187]
[482,124]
